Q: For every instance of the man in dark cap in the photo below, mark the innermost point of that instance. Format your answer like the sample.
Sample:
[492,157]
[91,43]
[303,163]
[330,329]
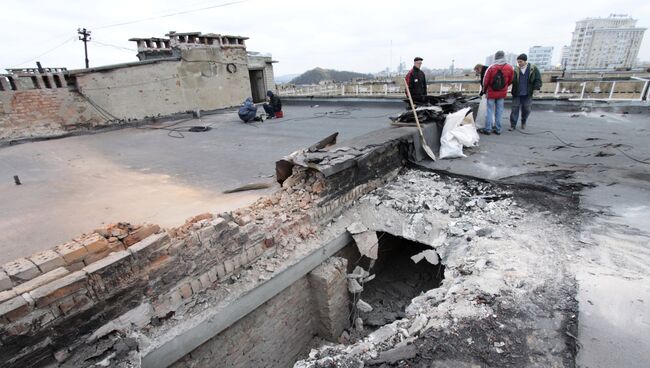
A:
[526,81]
[274,107]
[417,82]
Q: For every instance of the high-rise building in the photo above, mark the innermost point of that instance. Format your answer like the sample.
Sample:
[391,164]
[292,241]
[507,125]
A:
[541,56]
[605,43]
[564,57]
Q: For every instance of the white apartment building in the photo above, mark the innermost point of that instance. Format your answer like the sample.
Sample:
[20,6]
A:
[605,43]
[541,56]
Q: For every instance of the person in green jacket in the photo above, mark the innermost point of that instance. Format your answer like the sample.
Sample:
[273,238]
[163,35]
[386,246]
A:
[526,81]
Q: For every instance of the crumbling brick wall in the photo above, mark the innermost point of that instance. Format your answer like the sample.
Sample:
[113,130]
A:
[52,301]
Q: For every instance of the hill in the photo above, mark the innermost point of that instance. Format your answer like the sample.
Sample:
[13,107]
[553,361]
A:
[319,74]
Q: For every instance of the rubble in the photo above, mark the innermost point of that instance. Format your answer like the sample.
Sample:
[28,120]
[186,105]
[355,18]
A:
[488,247]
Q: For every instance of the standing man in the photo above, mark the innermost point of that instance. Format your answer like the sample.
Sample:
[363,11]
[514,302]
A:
[526,81]
[417,82]
[479,70]
[497,79]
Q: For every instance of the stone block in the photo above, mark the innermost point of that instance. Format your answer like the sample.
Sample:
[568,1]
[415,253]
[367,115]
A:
[140,234]
[213,275]
[5,281]
[115,246]
[71,252]
[14,308]
[21,270]
[95,243]
[58,289]
[243,220]
[47,260]
[41,280]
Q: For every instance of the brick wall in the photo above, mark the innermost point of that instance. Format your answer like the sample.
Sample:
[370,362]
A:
[44,112]
[52,301]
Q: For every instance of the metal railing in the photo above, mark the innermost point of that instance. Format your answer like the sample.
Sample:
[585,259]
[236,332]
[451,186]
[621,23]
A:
[633,89]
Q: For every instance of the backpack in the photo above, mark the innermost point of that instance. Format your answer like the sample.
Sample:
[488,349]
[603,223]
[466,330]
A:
[499,81]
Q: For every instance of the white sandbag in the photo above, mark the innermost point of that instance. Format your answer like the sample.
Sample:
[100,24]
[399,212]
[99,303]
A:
[455,134]
[466,132]
[481,114]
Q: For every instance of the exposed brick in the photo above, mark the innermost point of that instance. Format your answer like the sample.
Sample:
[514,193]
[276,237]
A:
[74,303]
[47,260]
[41,280]
[185,290]
[139,234]
[146,247]
[71,252]
[243,220]
[72,267]
[196,286]
[94,257]
[212,275]
[14,308]
[5,281]
[221,271]
[7,294]
[111,274]
[21,270]
[95,243]
[58,289]
[229,265]
[205,280]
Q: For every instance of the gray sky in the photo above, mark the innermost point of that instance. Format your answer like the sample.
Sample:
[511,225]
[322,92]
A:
[344,35]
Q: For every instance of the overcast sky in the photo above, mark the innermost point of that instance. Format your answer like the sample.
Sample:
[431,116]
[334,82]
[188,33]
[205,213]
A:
[343,35]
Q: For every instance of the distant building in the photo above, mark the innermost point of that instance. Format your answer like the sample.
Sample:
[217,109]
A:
[605,43]
[541,56]
[510,59]
[564,57]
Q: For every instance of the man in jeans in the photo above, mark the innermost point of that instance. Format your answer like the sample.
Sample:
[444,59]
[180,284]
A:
[497,79]
[527,79]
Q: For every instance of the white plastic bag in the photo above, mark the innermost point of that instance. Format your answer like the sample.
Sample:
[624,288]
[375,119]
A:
[459,131]
[482,113]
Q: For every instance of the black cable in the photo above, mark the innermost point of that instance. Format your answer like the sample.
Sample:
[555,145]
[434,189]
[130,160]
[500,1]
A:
[605,145]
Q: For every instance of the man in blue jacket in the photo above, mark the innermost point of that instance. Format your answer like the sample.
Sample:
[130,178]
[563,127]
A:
[248,110]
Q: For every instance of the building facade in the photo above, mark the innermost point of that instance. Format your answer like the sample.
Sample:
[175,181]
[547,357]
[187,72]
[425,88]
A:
[605,43]
[542,56]
[510,57]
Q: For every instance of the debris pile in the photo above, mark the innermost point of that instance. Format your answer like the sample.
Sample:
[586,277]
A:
[503,301]
[436,108]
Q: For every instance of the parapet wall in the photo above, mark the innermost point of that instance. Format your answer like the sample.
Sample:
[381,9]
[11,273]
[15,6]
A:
[198,79]
[56,304]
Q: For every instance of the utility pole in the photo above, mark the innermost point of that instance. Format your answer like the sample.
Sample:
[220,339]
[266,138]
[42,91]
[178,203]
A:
[84,36]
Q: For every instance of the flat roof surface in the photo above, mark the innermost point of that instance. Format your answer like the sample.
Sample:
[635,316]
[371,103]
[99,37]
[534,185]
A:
[77,184]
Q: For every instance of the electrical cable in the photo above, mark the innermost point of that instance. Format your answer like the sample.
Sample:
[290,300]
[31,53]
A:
[45,53]
[605,145]
[221,5]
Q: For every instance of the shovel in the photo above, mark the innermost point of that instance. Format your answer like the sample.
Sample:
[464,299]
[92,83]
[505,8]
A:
[426,147]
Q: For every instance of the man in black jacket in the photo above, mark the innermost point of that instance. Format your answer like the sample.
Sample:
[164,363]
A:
[417,82]
[274,107]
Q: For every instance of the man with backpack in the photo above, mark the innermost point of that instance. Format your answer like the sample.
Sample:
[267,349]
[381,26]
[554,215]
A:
[527,80]
[497,79]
